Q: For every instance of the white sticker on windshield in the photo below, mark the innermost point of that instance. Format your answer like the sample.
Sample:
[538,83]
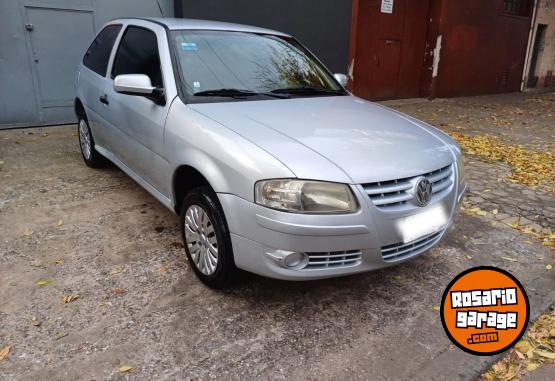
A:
[189,46]
[196,85]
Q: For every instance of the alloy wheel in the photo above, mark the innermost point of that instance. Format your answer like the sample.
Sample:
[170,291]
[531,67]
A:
[85,139]
[201,239]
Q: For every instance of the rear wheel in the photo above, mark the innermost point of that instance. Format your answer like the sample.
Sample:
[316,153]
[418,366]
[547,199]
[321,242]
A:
[90,155]
[206,239]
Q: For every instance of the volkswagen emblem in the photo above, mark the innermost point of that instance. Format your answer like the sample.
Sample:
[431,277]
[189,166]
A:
[422,192]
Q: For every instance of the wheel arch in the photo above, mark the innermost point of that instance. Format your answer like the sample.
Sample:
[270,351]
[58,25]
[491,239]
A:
[79,108]
[185,178]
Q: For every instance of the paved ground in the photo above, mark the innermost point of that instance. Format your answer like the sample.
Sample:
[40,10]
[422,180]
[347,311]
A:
[98,235]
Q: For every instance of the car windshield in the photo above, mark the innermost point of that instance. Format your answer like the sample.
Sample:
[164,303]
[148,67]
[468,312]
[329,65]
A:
[225,65]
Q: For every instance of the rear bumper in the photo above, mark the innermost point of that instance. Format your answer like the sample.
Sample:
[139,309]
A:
[257,232]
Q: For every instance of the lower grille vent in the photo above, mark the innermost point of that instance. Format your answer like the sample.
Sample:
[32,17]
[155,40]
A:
[401,250]
[333,259]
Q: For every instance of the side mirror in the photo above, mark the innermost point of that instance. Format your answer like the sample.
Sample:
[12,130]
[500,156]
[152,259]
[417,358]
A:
[342,79]
[139,84]
[133,84]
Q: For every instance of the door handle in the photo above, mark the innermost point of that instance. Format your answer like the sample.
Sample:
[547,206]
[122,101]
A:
[104,99]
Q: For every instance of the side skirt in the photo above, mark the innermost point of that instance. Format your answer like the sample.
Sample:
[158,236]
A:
[142,182]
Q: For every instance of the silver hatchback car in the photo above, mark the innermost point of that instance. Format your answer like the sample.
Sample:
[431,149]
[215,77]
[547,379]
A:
[273,167]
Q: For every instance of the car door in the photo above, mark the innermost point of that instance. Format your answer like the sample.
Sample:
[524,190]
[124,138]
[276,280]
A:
[91,81]
[137,122]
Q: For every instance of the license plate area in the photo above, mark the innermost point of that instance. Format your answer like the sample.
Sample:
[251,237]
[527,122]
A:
[422,224]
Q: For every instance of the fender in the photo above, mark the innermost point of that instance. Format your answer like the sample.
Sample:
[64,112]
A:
[190,137]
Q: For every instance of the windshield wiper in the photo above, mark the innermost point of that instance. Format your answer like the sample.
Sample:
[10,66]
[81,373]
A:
[308,90]
[235,93]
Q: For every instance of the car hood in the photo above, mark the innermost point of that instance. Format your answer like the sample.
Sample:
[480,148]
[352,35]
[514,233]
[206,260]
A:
[333,138]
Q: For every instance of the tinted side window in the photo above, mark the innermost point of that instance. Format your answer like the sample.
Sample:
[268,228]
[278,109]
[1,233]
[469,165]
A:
[98,53]
[138,54]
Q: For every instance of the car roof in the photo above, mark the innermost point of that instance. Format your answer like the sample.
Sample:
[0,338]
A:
[195,24]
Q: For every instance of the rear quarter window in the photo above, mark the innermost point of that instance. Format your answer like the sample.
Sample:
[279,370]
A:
[97,55]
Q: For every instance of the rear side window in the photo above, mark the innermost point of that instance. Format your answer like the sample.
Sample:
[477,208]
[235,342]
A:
[98,54]
[138,54]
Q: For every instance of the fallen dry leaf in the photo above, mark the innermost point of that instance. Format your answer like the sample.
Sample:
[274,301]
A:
[436,308]
[4,352]
[397,277]
[499,367]
[523,346]
[547,354]
[125,369]
[116,270]
[548,267]
[60,222]
[43,282]
[118,291]
[36,263]
[69,299]
[28,232]
[532,366]
[488,377]
[163,269]
[510,259]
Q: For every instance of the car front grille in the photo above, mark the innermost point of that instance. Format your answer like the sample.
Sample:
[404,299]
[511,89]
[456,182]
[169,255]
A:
[399,251]
[333,259]
[394,193]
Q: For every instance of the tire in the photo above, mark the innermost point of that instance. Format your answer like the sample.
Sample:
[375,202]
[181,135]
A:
[204,228]
[91,157]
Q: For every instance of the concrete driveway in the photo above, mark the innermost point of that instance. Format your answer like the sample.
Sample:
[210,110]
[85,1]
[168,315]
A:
[97,235]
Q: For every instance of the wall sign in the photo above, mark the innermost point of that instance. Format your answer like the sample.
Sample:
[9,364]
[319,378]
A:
[387,6]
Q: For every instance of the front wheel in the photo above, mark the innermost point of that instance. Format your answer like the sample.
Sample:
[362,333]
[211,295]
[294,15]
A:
[206,238]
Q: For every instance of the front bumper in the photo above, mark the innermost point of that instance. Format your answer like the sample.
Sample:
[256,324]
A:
[354,243]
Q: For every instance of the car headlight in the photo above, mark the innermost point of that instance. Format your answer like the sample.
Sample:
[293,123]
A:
[303,196]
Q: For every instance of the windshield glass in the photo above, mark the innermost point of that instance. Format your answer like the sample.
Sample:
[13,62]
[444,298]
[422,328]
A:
[234,64]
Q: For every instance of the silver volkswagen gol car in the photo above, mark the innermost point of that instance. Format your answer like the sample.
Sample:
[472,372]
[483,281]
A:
[273,167]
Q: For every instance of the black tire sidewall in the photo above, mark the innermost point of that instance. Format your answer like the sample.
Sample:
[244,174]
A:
[225,269]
